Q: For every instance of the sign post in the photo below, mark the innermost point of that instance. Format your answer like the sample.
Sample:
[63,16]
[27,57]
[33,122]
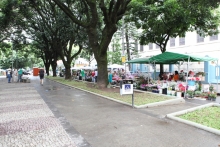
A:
[127,88]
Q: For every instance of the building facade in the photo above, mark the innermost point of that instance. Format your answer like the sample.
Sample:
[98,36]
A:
[192,43]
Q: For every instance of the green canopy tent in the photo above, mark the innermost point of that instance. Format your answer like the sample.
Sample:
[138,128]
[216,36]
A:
[173,58]
[170,57]
[139,60]
[149,60]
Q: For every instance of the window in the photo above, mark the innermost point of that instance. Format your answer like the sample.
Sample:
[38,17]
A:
[150,46]
[182,41]
[213,37]
[141,48]
[200,38]
[172,42]
[157,46]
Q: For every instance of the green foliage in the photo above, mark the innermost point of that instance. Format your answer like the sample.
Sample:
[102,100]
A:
[198,93]
[190,93]
[212,95]
[114,56]
[161,20]
[211,88]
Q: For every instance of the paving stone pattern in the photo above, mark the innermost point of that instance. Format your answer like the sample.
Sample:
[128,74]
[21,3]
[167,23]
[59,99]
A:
[26,121]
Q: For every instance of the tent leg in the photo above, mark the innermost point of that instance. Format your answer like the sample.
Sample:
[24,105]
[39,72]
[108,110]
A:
[187,74]
[217,76]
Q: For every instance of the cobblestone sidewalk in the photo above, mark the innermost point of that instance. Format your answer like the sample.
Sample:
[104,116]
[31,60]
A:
[26,121]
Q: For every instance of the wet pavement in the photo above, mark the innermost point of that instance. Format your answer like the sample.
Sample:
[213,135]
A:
[57,115]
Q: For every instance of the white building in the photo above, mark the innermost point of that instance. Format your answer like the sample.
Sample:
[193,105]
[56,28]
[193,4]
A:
[192,43]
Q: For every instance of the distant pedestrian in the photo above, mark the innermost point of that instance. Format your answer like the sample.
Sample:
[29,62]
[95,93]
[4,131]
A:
[96,75]
[20,73]
[83,75]
[41,74]
[93,76]
[9,75]
[109,77]
[15,75]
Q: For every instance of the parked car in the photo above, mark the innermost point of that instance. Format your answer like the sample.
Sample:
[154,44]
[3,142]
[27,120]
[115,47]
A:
[26,72]
[62,72]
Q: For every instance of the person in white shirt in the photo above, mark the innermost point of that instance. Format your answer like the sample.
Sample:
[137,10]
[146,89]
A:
[96,75]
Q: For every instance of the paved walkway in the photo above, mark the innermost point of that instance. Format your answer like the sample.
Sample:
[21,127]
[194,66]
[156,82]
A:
[57,115]
[25,119]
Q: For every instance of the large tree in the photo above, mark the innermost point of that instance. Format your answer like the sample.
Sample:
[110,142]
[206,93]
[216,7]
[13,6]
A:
[100,22]
[58,34]
[161,20]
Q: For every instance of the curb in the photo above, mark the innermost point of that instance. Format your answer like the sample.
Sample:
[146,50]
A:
[173,116]
[166,102]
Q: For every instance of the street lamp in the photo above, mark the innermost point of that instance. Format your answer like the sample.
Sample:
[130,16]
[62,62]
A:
[12,38]
[12,41]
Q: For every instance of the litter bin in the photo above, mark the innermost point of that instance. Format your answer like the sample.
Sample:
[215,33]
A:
[164,91]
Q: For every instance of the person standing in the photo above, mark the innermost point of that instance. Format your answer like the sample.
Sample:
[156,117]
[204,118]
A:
[15,75]
[9,75]
[83,75]
[96,75]
[109,77]
[93,76]
[20,72]
[176,76]
[41,74]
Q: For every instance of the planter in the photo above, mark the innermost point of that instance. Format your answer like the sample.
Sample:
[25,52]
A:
[182,94]
[169,92]
[164,91]
[208,98]
[173,93]
[160,91]
[213,99]
[179,94]
[191,96]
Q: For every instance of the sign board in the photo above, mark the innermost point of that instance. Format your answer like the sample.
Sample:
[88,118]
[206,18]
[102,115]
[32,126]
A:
[123,59]
[126,89]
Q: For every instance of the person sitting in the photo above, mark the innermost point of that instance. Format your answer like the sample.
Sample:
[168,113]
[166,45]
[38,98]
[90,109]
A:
[176,76]
[170,78]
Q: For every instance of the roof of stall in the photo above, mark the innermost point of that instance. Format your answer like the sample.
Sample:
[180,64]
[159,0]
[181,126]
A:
[171,58]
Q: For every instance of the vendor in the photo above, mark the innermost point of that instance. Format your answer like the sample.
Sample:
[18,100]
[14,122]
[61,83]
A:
[176,76]
[123,74]
[170,78]
[109,77]
[115,73]
[182,76]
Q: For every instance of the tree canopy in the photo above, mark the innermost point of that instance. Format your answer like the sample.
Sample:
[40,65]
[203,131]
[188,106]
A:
[161,20]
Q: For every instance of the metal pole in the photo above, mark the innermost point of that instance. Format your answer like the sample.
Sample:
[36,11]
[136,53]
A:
[187,76]
[217,76]
[12,56]
[133,99]
[16,60]
[122,37]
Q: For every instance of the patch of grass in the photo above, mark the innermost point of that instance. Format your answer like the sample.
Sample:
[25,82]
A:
[139,98]
[209,117]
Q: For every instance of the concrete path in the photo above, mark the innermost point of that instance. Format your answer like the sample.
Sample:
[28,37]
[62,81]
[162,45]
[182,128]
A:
[89,120]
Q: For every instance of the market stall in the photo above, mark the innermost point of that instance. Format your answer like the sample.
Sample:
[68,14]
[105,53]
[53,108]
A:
[173,58]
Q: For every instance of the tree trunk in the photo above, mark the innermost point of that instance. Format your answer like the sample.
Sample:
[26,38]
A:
[127,47]
[47,66]
[102,71]
[54,66]
[68,71]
